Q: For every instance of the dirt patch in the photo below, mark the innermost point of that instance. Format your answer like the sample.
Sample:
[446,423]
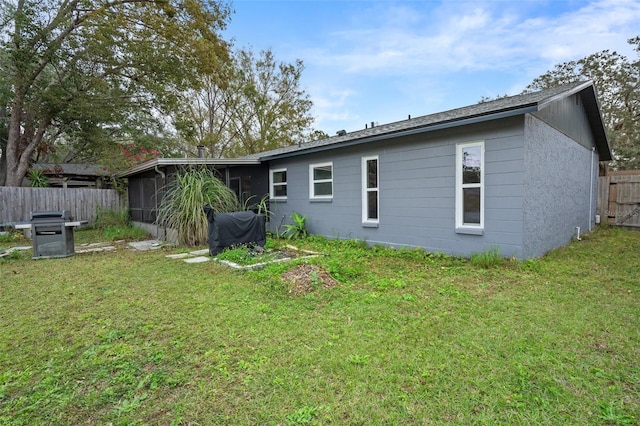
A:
[305,279]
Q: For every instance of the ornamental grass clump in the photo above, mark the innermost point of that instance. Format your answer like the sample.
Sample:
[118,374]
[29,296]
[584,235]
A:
[181,206]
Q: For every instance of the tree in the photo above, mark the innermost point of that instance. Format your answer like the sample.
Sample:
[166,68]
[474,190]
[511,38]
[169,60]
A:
[92,71]
[259,106]
[617,80]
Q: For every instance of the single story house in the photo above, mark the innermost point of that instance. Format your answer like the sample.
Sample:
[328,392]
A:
[518,173]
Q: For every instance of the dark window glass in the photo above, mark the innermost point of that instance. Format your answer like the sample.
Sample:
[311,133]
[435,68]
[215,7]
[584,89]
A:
[372,205]
[471,205]
[471,160]
[280,177]
[322,172]
[323,188]
[372,173]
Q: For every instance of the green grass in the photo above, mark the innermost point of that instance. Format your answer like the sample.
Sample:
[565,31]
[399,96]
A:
[408,338]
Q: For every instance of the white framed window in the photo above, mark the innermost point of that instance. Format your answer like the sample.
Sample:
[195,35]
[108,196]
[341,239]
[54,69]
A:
[278,184]
[321,181]
[370,190]
[470,187]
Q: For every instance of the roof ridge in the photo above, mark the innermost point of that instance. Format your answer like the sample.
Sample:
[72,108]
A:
[508,103]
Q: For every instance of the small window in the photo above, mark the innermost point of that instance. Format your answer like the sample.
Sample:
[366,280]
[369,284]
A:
[370,191]
[470,186]
[278,184]
[321,181]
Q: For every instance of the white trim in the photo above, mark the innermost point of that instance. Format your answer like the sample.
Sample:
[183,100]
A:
[312,194]
[460,225]
[271,184]
[365,190]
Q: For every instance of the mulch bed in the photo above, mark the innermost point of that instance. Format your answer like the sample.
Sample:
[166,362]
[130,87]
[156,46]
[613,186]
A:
[305,279]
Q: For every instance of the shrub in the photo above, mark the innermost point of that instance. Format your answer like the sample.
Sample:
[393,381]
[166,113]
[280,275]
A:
[109,218]
[181,207]
[114,233]
[298,229]
[38,179]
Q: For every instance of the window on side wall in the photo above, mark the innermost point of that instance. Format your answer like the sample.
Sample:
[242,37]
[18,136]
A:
[370,191]
[278,184]
[470,187]
[321,181]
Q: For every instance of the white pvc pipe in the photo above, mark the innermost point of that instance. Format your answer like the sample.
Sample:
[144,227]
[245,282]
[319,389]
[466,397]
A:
[593,151]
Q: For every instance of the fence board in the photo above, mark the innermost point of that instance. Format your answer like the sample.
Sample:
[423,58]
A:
[619,199]
[602,206]
[17,203]
[628,201]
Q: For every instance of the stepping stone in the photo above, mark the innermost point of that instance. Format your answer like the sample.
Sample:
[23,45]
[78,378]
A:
[178,255]
[96,249]
[146,245]
[200,252]
[198,259]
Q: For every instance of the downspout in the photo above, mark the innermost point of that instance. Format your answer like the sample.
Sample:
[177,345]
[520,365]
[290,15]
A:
[164,183]
[593,151]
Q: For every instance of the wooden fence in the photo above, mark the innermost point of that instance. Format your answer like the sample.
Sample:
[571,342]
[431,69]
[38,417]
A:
[16,204]
[619,199]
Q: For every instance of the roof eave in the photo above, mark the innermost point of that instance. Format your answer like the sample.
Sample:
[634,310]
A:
[524,109]
[163,162]
[592,109]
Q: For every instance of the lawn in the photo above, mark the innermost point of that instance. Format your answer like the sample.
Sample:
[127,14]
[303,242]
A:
[406,338]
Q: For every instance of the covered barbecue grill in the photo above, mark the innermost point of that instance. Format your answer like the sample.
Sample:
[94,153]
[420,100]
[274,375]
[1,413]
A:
[230,229]
[52,234]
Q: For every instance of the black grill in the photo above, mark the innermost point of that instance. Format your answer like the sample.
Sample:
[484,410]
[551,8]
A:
[51,238]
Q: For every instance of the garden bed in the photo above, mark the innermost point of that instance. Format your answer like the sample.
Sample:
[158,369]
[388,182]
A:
[249,258]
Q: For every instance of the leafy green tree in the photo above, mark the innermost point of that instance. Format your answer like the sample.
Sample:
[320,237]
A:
[259,106]
[617,80]
[84,74]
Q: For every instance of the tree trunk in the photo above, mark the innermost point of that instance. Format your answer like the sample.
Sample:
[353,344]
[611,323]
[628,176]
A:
[21,144]
[3,167]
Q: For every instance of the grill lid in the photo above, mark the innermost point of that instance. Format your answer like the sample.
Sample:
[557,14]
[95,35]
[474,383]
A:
[49,215]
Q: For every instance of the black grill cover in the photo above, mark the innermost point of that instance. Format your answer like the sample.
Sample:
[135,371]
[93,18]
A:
[231,229]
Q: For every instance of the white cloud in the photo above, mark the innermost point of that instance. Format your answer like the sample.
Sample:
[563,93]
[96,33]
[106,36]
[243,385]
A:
[408,41]
[331,105]
[385,61]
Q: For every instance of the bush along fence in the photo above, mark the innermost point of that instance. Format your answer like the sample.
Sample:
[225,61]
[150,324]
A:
[619,199]
[18,203]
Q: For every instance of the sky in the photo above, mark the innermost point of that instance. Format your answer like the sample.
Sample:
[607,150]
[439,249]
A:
[381,61]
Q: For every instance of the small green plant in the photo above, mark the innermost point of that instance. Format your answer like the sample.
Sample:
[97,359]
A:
[316,279]
[38,179]
[261,207]
[487,259]
[357,359]
[297,229]
[13,255]
[612,415]
[303,416]
[10,237]
[241,255]
[250,255]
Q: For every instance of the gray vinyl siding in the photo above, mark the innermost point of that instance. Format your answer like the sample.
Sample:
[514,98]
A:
[558,188]
[417,191]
